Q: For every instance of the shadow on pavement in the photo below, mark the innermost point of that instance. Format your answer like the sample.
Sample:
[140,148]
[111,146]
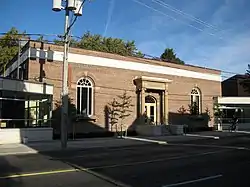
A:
[7,169]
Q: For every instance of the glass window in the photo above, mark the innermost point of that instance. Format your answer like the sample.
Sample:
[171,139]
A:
[84,97]
[195,101]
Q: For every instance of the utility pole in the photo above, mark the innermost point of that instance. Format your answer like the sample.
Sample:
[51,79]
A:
[76,7]
[64,111]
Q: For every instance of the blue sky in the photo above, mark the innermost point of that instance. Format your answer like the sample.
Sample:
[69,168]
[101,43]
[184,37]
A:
[210,33]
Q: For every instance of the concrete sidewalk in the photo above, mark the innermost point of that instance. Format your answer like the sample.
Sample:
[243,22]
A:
[39,147]
[55,145]
[36,147]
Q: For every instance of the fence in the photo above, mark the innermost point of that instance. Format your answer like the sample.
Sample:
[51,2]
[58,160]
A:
[225,123]
[25,123]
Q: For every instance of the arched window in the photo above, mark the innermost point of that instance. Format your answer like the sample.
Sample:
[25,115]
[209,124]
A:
[84,97]
[195,101]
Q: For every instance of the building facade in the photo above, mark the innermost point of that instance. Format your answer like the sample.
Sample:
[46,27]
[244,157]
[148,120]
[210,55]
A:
[235,101]
[233,87]
[159,90]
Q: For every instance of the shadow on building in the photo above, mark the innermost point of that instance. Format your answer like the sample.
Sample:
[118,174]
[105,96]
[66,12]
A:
[78,126]
[84,126]
[236,86]
[192,123]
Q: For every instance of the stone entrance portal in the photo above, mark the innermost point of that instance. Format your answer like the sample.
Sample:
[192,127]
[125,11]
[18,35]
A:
[152,100]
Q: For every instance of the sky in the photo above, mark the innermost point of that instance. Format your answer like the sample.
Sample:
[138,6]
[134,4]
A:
[207,33]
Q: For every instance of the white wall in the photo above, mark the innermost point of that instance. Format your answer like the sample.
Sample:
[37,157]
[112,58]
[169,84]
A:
[24,86]
[8,136]
[233,100]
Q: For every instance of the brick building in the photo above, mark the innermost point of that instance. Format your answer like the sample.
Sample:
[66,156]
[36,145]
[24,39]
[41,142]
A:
[233,87]
[235,100]
[158,88]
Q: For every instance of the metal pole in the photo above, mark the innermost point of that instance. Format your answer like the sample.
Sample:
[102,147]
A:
[64,110]
[18,59]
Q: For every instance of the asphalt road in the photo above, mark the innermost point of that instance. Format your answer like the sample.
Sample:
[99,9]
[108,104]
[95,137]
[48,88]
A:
[224,162]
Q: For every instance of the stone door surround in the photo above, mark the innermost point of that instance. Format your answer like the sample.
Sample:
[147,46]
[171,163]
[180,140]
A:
[144,83]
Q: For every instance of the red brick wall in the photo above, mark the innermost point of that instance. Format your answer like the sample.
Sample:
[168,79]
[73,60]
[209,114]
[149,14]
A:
[110,82]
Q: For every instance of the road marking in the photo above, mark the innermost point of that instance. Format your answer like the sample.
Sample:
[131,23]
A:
[193,181]
[107,152]
[155,160]
[210,146]
[105,178]
[39,173]
[145,140]
[204,136]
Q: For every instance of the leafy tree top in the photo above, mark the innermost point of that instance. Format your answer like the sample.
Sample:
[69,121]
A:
[169,55]
[9,45]
[97,42]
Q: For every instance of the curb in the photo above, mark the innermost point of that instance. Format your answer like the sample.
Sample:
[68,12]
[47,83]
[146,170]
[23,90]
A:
[19,153]
[65,150]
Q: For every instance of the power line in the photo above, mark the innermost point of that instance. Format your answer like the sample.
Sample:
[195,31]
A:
[192,26]
[150,57]
[25,40]
[28,34]
[189,16]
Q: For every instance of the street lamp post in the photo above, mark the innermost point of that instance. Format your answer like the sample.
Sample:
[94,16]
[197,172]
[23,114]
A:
[76,7]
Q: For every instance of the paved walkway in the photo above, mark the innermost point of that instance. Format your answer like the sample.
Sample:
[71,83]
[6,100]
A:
[36,147]
[55,145]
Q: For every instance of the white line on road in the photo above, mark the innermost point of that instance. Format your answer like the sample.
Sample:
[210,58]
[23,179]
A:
[191,145]
[103,177]
[203,136]
[210,146]
[193,181]
[145,140]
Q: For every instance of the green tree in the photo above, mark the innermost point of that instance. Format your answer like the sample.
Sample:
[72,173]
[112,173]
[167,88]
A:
[139,54]
[97,42]
[182,110]
[40,38]
[58,42]
[208,113]
[9,45]
[193,109]
[169,55]
[245,82]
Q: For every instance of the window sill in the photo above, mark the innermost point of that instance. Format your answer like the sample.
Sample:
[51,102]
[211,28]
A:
[85,118]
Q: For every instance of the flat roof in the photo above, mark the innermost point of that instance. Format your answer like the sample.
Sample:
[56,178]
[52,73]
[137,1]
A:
[233,100]
[120,57]
[25,86]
